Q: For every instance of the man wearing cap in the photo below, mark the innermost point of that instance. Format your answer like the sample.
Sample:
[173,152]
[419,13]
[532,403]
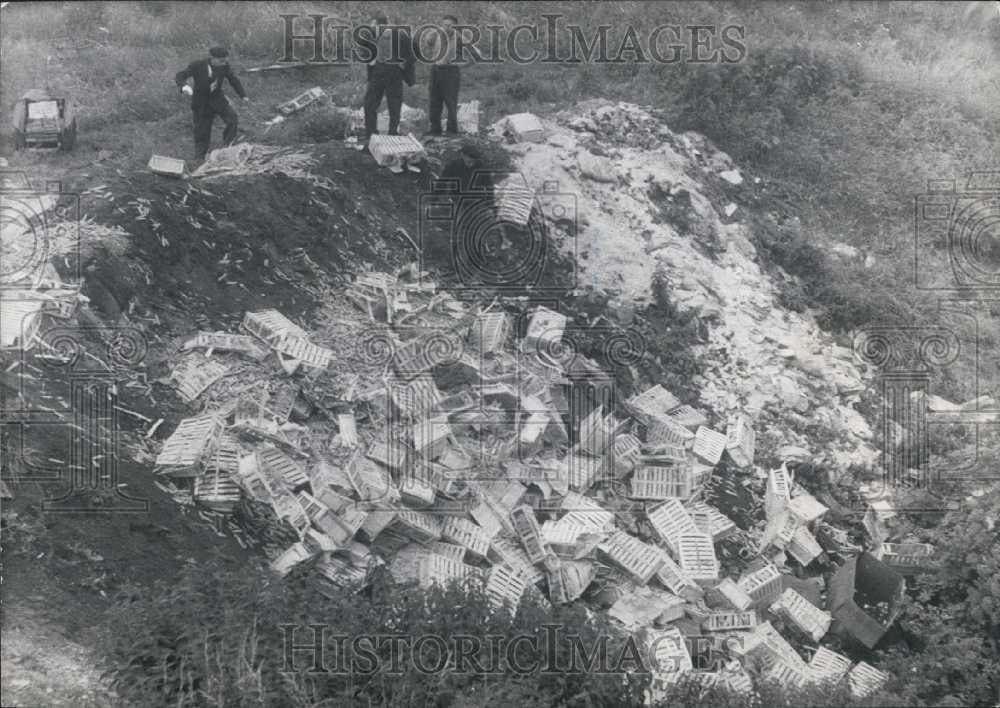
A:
[207,99]
[392,62]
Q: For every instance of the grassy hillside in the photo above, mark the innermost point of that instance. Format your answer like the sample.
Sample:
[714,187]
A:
[845,110]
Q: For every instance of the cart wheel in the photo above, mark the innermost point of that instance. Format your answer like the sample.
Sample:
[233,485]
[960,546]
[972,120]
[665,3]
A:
[19,142]
[68,137]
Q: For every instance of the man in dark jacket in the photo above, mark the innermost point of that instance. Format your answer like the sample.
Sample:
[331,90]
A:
[392,63]
[207,99]
[445,77]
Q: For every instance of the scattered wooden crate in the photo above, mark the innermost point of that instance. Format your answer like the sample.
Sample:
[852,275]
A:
[595,432]
[292,556]
[657,482]
[467,534]
[623,455]
[741,441]
[777,493]
[303,100]
[416,525]
[194,378]
[730,621]
[545,327]
[218,491]
[864,680]
[394,150]
[719,525]
[734,594]
[804,547]
[807,508]
[688,417]
[525,127]
[653,402]
[709,445]
[639,560]
[277,465]
[268,325]
[226,342]
[907,558]
[829,666]
[586,512]
[505,585]
[696,557]
[468,117]
[184,451]
[526,527]
[166,166]
[674,579]
[763,585]
[300,349]
[505,550]
[489,331]
[803,614]
[661,430]
[670,520]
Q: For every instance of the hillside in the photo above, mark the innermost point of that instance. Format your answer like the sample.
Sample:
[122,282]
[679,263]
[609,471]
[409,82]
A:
[722,233]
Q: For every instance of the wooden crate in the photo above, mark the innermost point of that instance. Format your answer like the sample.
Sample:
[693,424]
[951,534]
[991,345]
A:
[218,491]
[803,614]
[639,560]
[184,451]
[586,512]
[662,482]
[416,525]
[741,441]
[673,577]
[864,680]
[670,520]
[505,585]
[193,378]
[166,166]
[719,525]
[661,430]
[829,666]
[730,621]
[467,534]
[505,550]
[763,585]
[489,331]
[300,349]
[526,527]
[688,417]
[696,557]
[277,465]
[709,445]
[777,492]
[268,325]
[654,401]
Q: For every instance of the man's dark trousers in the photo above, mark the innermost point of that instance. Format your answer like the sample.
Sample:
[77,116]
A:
[383,80]
[204,116]
[444,85]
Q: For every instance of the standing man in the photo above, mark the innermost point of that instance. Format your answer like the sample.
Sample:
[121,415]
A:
[207,99]
[444,84]
[392,64]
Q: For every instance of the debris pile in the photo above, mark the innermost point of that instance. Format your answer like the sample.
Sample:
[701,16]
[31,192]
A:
[416,433]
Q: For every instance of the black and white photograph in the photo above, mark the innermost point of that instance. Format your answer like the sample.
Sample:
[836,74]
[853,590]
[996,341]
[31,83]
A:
[557,354]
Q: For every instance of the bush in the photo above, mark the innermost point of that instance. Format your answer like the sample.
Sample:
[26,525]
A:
[217,636]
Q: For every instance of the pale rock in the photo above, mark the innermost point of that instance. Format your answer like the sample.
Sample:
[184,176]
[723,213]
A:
[732,176]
